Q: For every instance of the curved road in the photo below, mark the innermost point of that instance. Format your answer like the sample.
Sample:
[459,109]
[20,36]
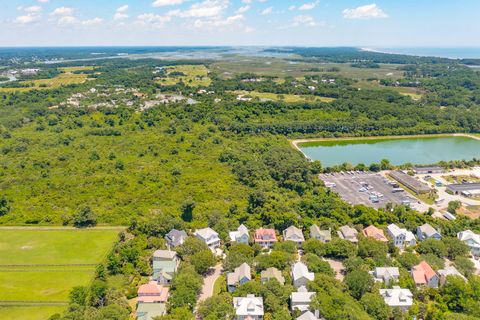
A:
[209,283]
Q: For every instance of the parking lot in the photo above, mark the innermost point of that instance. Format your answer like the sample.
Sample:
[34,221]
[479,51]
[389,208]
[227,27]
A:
[370,189]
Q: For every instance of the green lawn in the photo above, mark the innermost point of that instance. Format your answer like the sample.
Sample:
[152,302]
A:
[54,246]
[28,313]
[288,98]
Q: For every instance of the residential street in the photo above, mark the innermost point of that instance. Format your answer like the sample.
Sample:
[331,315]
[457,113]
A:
[209,282]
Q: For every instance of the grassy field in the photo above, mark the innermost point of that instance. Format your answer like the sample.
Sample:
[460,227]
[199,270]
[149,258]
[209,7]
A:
[63,79]
[288,98]
[39,267]
[194,76]
[413,93]
[461,178]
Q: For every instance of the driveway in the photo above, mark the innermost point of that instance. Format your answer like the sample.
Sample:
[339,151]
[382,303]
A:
[209,282]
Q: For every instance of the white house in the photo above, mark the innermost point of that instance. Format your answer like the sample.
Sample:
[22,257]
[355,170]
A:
[239,276]
[427,232]
[209,236]
[301,276]
[401,237]
[321,235]
[240,235]
[301,299]
[386,274]
[294,234]
[308,316]
[249,307]
[472,240]
[397,297]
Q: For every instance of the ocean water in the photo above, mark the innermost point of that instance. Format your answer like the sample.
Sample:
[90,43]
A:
[453,53]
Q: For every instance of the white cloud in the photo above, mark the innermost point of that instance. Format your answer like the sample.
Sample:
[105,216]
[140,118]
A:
[27,19]
[229,21]
[247,1]
[67,20]
[33,9]
[207,8]
[120,13]
[267,11]
[308,6]
[92,22]
[306,21]
[152,20]
[62,11]
[243,9]
[371,11]
[43,1]
[164,3]
[291,8]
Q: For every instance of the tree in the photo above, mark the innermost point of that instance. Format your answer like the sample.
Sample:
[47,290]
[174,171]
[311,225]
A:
[408,260]
[358,282]
[84,218]
[186,285]
[202,261]
[371,248]
[98,293]
[4,206]
[191,246]
[216,307]
[465,266]
[317,265]
[79,295]
[340,249]
[432,246]
[453,206]
[455,248]
[375,306]
[177,314]
[187,210]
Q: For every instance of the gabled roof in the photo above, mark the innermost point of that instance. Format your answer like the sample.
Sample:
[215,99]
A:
[428,230]
[397,297]
[375,233]
[422,273]
[300,270]
[273,273]
[176,236]
[152,292]
[469,235]
[241,231]
[387,272]
[265,235]
[450,271]
[206,233]
[348,231]
[395,231]
[243,271]
[302,297]
[248,306]
[307,316]
[164,254]
[293,233]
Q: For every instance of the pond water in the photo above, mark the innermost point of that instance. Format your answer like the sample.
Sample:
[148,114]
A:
[421,150]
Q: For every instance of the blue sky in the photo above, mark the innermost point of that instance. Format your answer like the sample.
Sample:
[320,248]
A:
[382,23]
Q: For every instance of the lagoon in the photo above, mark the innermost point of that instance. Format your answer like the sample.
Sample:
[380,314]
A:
[415,150]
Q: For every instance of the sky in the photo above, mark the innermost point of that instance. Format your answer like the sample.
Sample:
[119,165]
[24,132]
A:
[383,23]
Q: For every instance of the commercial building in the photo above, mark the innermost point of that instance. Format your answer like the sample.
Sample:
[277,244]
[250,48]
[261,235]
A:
[410,182]
[470,190]
[427,169]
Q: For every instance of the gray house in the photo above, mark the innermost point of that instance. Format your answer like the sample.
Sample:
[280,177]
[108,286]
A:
[321,235]
[239,276]
[175,238]
[427,232]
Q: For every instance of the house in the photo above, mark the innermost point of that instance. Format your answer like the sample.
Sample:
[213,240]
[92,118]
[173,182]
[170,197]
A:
[294,234]
[401,237]
[175,238]
[423,274]
[386,274]
[321,235]
[374,233]
[249,307]
[240,235]
[426,232]
[397,298]
[300,274]
[301,299]
[472,240]
[308,316]
[272,273]
[165,264]
[209,236]
[348,233]
[449,271]
[266,238]
[239,276]
[151,300]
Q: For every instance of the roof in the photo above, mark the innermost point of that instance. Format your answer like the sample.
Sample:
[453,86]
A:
[409,236]
[176,236]
[422,273]
[375,233]
[409,181]
[348,231]
[397,297]
[302,297]
[316,232]
[242,230]
[427,168]
[470,236]
[206,233]
[166,266]
[459,187]
[248,306]
[293,233]
[395,231]
[300,270]
[387,272]
[307,316]
[450,271]
[428,230]
[164,254]
[273,273]
[152,292]
[265,235]
[243,271]
[147,311]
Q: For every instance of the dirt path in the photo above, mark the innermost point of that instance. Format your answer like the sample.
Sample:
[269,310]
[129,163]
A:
[209,283]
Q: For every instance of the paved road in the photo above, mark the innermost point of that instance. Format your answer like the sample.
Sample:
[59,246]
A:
[209,282]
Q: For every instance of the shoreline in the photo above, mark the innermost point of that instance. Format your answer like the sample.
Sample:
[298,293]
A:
[296,143]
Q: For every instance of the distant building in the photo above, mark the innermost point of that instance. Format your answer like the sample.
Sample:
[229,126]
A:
[426,231]
[423,274]
[294,234]
[401,237]
[386,274]
[397,298]
[209,236]
[300,275]
[348,233]
[321,235]
[165,263]
[266,238]
[469,190]
[175,238]
[427,169]
[240,235]
[410,182]
[449,271]
[374,233]
[239,276]
[248,308]
[301,299]
[472,240]
[151,300]
[272,273]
